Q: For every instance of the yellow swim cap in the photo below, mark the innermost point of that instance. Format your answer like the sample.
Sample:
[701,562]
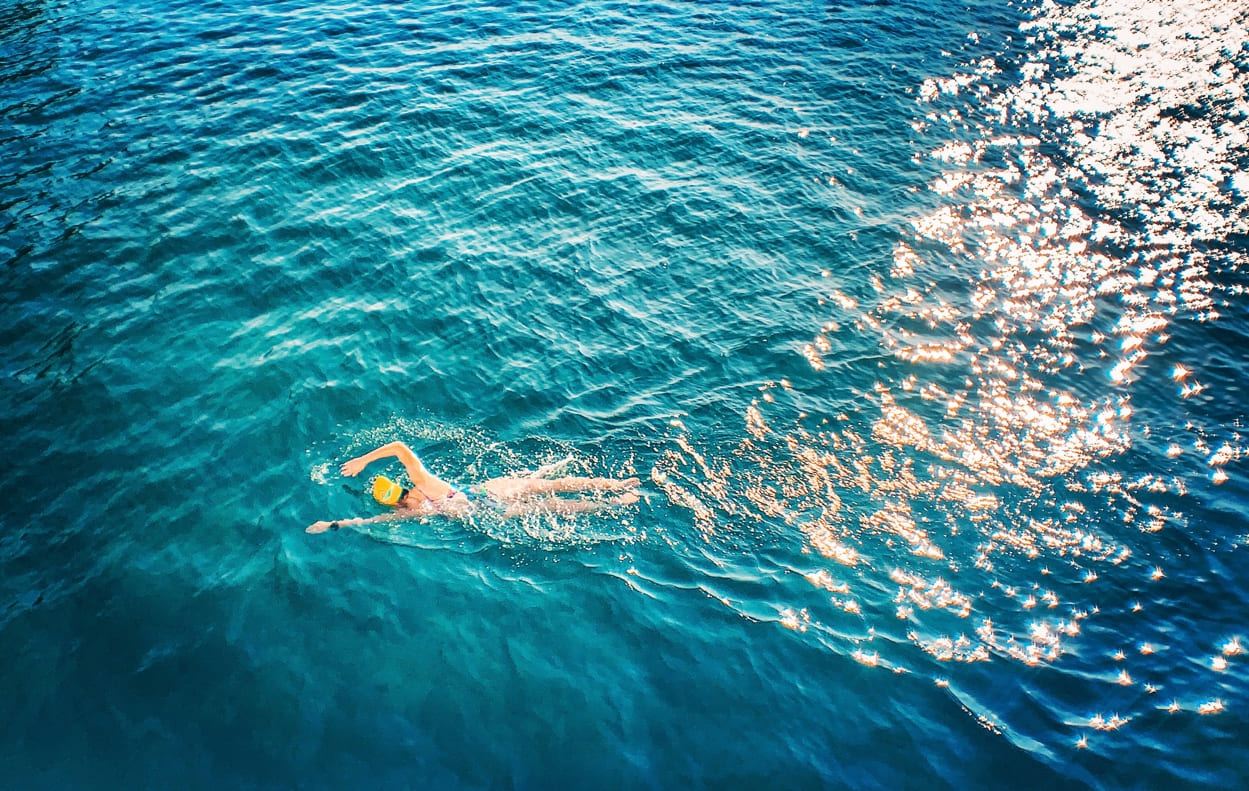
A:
[386,491]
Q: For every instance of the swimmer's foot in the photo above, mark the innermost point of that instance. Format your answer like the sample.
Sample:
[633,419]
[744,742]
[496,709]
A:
[628,498]
[615,485]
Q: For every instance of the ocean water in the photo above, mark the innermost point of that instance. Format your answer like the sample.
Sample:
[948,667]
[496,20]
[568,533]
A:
[923,324]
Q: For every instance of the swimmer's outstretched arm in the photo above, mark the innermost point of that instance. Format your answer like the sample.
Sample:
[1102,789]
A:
[416,471]
[321,527]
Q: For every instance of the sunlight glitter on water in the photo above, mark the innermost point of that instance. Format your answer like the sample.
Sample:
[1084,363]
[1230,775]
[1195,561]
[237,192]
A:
[1017,462]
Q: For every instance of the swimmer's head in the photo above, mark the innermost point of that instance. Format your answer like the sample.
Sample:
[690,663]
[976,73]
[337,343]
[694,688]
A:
[386,491]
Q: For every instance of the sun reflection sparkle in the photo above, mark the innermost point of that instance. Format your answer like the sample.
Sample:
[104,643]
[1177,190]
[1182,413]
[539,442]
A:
[1016,321]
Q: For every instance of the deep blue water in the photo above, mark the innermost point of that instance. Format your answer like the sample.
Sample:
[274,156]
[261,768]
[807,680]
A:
[923,324]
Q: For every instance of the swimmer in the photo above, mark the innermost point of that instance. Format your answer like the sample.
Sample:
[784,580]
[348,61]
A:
[508,497]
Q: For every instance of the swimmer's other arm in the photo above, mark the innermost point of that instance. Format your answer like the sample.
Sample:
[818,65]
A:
[416,470]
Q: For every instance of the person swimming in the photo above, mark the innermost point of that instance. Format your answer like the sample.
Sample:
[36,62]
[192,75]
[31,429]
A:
[507,496]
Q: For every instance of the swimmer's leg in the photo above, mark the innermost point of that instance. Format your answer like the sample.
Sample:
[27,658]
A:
[560,505]
[506,488]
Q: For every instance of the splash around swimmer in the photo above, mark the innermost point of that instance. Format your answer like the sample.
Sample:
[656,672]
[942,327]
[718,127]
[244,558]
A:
[428,494]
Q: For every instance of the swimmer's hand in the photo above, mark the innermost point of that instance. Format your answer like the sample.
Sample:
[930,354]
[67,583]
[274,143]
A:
[353,467]
[318,527]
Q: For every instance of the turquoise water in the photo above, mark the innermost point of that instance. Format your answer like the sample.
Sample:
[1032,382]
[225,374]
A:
[924,327]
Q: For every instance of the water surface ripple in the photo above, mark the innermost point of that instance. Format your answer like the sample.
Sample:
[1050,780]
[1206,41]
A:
[924,326]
